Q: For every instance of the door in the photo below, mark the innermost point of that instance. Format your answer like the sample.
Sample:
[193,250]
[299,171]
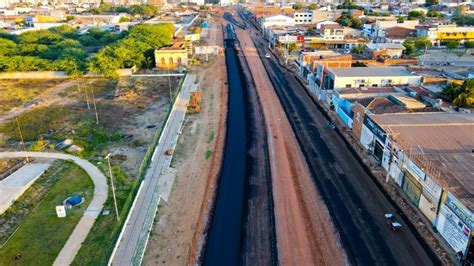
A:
[378,151]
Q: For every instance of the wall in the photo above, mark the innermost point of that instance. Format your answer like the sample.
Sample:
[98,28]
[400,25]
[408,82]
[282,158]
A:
[34,75]
[341,82]
[359,114]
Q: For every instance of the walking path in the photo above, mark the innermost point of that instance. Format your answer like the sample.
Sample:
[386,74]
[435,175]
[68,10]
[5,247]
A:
[156,185]
[12,187]
[74,242]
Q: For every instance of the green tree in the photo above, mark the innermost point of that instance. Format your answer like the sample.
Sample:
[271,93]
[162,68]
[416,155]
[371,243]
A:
[298,6]
[469,44]
[311,31]
[466,95]
[452,45]
[412,15]
[312,6]
[8,47]
[432,2]
[409,48]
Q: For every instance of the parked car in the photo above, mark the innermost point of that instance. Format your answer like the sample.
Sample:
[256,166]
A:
[267,55]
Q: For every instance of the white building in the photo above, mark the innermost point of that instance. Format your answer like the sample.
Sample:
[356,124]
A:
[303,18]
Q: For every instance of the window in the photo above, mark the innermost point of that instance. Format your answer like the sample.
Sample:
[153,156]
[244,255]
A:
[348,85]
[374,85]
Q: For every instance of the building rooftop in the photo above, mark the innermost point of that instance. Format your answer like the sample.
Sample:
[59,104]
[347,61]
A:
[383,46]
[331,26]
[381,105]
[440,143]
[371,72]
[408,102]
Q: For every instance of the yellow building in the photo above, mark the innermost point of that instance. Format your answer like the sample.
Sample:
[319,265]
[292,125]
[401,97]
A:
[171,57]
[439,34]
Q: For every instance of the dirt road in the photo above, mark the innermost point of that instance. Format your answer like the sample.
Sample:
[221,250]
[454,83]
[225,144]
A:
[305,234]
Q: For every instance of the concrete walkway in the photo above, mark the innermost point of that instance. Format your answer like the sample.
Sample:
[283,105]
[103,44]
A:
[12,187]
[73,244]
[156,185]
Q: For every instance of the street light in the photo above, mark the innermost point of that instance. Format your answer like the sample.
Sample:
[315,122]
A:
[113,187]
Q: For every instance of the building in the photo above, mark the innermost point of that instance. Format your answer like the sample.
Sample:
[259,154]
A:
[383,50]
[430,156]
[332,32]
[396,35]
[376,30]
[276,20]
[344,100]
[328,79]
[308,62]
[303,18]
[171,57]
[441,34]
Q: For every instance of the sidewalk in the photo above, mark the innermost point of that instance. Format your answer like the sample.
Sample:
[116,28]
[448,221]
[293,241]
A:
[156,185]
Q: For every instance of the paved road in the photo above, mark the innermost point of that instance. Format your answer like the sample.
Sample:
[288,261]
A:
[354,200]
[132,241]
[73,244]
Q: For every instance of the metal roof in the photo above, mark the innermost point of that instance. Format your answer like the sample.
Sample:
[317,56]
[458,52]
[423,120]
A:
[441,143]
[372,72]
[383,46]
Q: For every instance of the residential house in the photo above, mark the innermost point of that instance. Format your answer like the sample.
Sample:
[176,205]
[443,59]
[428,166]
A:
[332,32]
[396,35]
[383,50]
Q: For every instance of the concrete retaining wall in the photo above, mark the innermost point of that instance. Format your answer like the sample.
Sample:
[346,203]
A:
[34,75]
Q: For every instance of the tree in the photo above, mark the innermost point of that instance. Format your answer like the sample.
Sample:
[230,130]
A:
[460,95]
[298,6]
[7,47]
[469,44]
[311,31]
[432,14]
[312,6]
[412,15]
[452,45]
[409,48]
[432,2]
[422,43]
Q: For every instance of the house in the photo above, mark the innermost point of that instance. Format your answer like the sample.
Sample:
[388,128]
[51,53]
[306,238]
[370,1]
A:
[303,18]
[332,32]
[430,156]
[396,35]
[329,79]
[383,50]
[378,28]
[345,99]
[308,62]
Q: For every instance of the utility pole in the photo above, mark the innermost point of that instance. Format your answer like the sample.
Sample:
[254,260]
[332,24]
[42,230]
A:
[169,84]
[287,49]
[113,187]
[95,107]
[21,138]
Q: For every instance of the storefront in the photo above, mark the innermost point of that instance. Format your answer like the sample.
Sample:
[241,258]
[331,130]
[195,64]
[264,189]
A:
[373,138]
[455,224]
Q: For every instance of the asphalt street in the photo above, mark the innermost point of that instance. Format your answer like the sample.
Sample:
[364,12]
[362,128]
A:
[356,204]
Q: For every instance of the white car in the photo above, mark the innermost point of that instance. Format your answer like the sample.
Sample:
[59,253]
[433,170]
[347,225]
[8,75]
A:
[267,55]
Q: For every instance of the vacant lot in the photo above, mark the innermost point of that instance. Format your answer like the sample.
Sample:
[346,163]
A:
[129,112]
[16,93]
[41,235]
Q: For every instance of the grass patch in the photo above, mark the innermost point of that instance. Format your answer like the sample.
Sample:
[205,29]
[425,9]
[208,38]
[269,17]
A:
[18,211]
[100,241]
[208,154]
[41,236]
[210,136]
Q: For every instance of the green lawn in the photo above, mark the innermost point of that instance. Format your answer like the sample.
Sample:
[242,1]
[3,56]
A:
[41,236]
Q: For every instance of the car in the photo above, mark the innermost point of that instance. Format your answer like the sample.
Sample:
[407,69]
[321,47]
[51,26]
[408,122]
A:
[267,55]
